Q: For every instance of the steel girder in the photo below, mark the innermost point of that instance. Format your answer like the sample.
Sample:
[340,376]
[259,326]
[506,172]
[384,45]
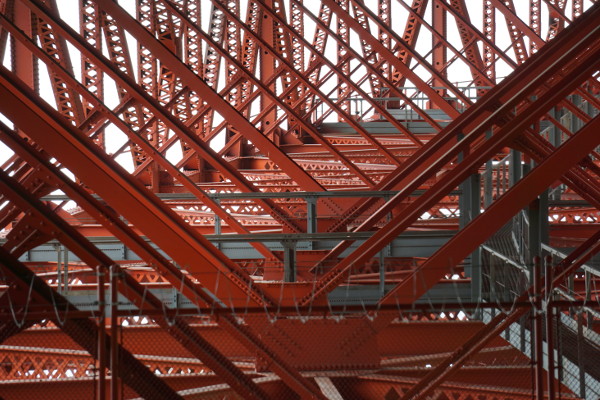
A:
[179,96]
[178,328]
[443,149]
[204,348]
[83,331]
[500,322]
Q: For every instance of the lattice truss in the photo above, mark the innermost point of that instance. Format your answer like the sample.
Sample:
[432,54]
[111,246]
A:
[311,199]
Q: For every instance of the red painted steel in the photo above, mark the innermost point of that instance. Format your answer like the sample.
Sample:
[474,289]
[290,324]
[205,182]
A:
[83,331]
[201,348]
[501,321]
[263,161]
[398,224]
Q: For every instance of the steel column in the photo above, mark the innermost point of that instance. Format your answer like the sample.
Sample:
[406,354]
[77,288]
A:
[550,319]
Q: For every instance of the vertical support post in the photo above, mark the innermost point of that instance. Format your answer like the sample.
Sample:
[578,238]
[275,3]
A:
[218,227]
[464,204]
[576,123]
[114,333]
[534,231]
[474,196]
[571,286]
[488,185]
[538,334]
[289,260]
[154,177]
[515,171]
[543,216]
[580,355]
[58,248]
[385,252]
[217,220]
[311,217]
[555,133]
[23,61]
[475,209]
[311,214]
[489,30]
[125,252]
[267,62]
[382,273]
[101,271]
[549,276]
[493,292]
[588,284]
[556,140]
[588,296]
[440,59]
[66,270]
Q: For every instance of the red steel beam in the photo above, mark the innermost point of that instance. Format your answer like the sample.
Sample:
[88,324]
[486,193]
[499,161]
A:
[341,76]
[84,331]
[209,95]
[516,36]
[144,144]
[531,148]
[410,36]
[152,104]
[502,321]
[277,101]
[470,47]
[194,342]
[389,55]
[372,68]
[438,100]
[126,194]
[178,328]
[441,143]
[67,100]
[490,49]
[382,237]
[490,221]
[472,57]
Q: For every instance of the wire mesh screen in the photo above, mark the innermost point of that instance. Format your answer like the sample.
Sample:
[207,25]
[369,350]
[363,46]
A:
[45,354]
[410,351]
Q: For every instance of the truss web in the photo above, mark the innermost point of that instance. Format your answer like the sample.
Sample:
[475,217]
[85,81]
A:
[299,199]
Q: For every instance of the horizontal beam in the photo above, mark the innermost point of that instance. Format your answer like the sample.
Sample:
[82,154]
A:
[270,195]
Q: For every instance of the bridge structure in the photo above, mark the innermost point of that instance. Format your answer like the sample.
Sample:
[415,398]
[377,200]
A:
[268,199]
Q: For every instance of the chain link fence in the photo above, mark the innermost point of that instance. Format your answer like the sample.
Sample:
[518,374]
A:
[342,360]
